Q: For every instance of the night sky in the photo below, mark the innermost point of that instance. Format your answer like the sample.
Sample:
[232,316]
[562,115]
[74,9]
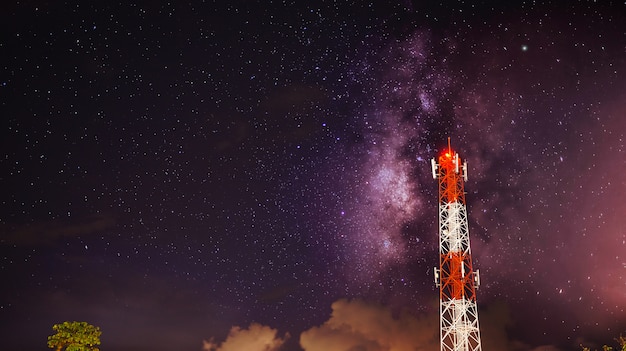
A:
[255,175]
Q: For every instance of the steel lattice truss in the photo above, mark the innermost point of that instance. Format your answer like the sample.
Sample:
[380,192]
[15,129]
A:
[455,277]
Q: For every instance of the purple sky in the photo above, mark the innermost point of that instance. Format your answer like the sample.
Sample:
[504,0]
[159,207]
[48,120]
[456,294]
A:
[173,170]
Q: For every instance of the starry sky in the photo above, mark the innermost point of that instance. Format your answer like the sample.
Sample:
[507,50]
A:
[255,175]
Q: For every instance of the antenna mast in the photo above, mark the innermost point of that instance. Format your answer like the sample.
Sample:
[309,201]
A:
[455,277]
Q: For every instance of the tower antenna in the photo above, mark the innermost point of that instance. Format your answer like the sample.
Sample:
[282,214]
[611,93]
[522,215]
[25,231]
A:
[455,276]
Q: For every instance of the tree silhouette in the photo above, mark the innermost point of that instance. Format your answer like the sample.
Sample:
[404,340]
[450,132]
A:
[75,336]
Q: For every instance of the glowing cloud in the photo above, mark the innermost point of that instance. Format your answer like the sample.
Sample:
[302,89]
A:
[256,338]
[357,325]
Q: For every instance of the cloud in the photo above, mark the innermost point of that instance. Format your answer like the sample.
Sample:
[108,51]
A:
[546,348]
[356,325]
[256,338]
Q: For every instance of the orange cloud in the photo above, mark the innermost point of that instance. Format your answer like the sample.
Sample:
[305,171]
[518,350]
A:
[546,348]
[256,338]
[357,325]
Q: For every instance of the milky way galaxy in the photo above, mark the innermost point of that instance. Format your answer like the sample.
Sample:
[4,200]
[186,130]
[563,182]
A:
[391,197]
[242,175]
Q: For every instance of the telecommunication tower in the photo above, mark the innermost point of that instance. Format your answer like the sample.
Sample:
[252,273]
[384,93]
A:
[455,277]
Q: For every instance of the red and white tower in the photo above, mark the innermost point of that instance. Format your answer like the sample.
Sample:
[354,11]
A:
[455,277]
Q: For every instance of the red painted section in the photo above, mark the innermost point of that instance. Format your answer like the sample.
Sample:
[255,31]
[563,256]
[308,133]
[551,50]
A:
[457,278]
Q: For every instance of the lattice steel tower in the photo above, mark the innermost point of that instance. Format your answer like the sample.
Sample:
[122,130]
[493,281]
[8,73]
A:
[455,277]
